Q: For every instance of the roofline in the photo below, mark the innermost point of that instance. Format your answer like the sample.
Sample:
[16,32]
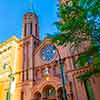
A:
[13,38]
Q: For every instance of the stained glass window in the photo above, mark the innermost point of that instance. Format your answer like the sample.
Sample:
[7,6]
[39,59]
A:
[48,53]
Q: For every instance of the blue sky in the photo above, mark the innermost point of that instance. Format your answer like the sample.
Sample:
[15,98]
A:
[12,11]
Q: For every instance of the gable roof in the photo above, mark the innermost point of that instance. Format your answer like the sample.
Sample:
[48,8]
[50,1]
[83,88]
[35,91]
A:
[43,44]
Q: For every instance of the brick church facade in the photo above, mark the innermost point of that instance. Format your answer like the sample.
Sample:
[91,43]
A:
[44,77]
[37,69]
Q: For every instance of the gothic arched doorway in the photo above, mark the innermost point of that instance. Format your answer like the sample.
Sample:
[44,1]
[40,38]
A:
[60,93]
[49,93]
[37,96]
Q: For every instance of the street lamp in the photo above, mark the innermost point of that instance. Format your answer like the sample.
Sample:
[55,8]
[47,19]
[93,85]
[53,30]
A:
[11,77]
[61,63]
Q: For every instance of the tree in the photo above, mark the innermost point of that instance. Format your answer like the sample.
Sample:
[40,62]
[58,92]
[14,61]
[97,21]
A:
[80,22]
[76,23]
[91,57]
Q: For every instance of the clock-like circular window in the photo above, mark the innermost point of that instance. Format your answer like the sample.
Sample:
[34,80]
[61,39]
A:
[48,52]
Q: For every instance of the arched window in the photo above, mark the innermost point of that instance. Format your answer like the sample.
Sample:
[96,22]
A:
[49,91]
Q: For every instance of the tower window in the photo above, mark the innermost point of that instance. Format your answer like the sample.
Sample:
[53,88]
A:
[27,74]
[27,60]
[25,29]
[36,28]
[35,44]
[31,28]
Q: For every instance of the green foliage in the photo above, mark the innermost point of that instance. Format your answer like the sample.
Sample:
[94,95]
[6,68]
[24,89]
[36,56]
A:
[88,75]
[84,58]
[74,26]
[75,29]
[95,65]
[85,76]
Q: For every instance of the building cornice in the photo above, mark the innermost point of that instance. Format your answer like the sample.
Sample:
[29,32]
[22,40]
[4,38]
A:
[13,38]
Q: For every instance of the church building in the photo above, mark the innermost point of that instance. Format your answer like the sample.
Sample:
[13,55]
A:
[40,70]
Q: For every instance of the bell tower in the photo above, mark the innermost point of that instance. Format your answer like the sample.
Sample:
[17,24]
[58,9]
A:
[30,25]
[30,36]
